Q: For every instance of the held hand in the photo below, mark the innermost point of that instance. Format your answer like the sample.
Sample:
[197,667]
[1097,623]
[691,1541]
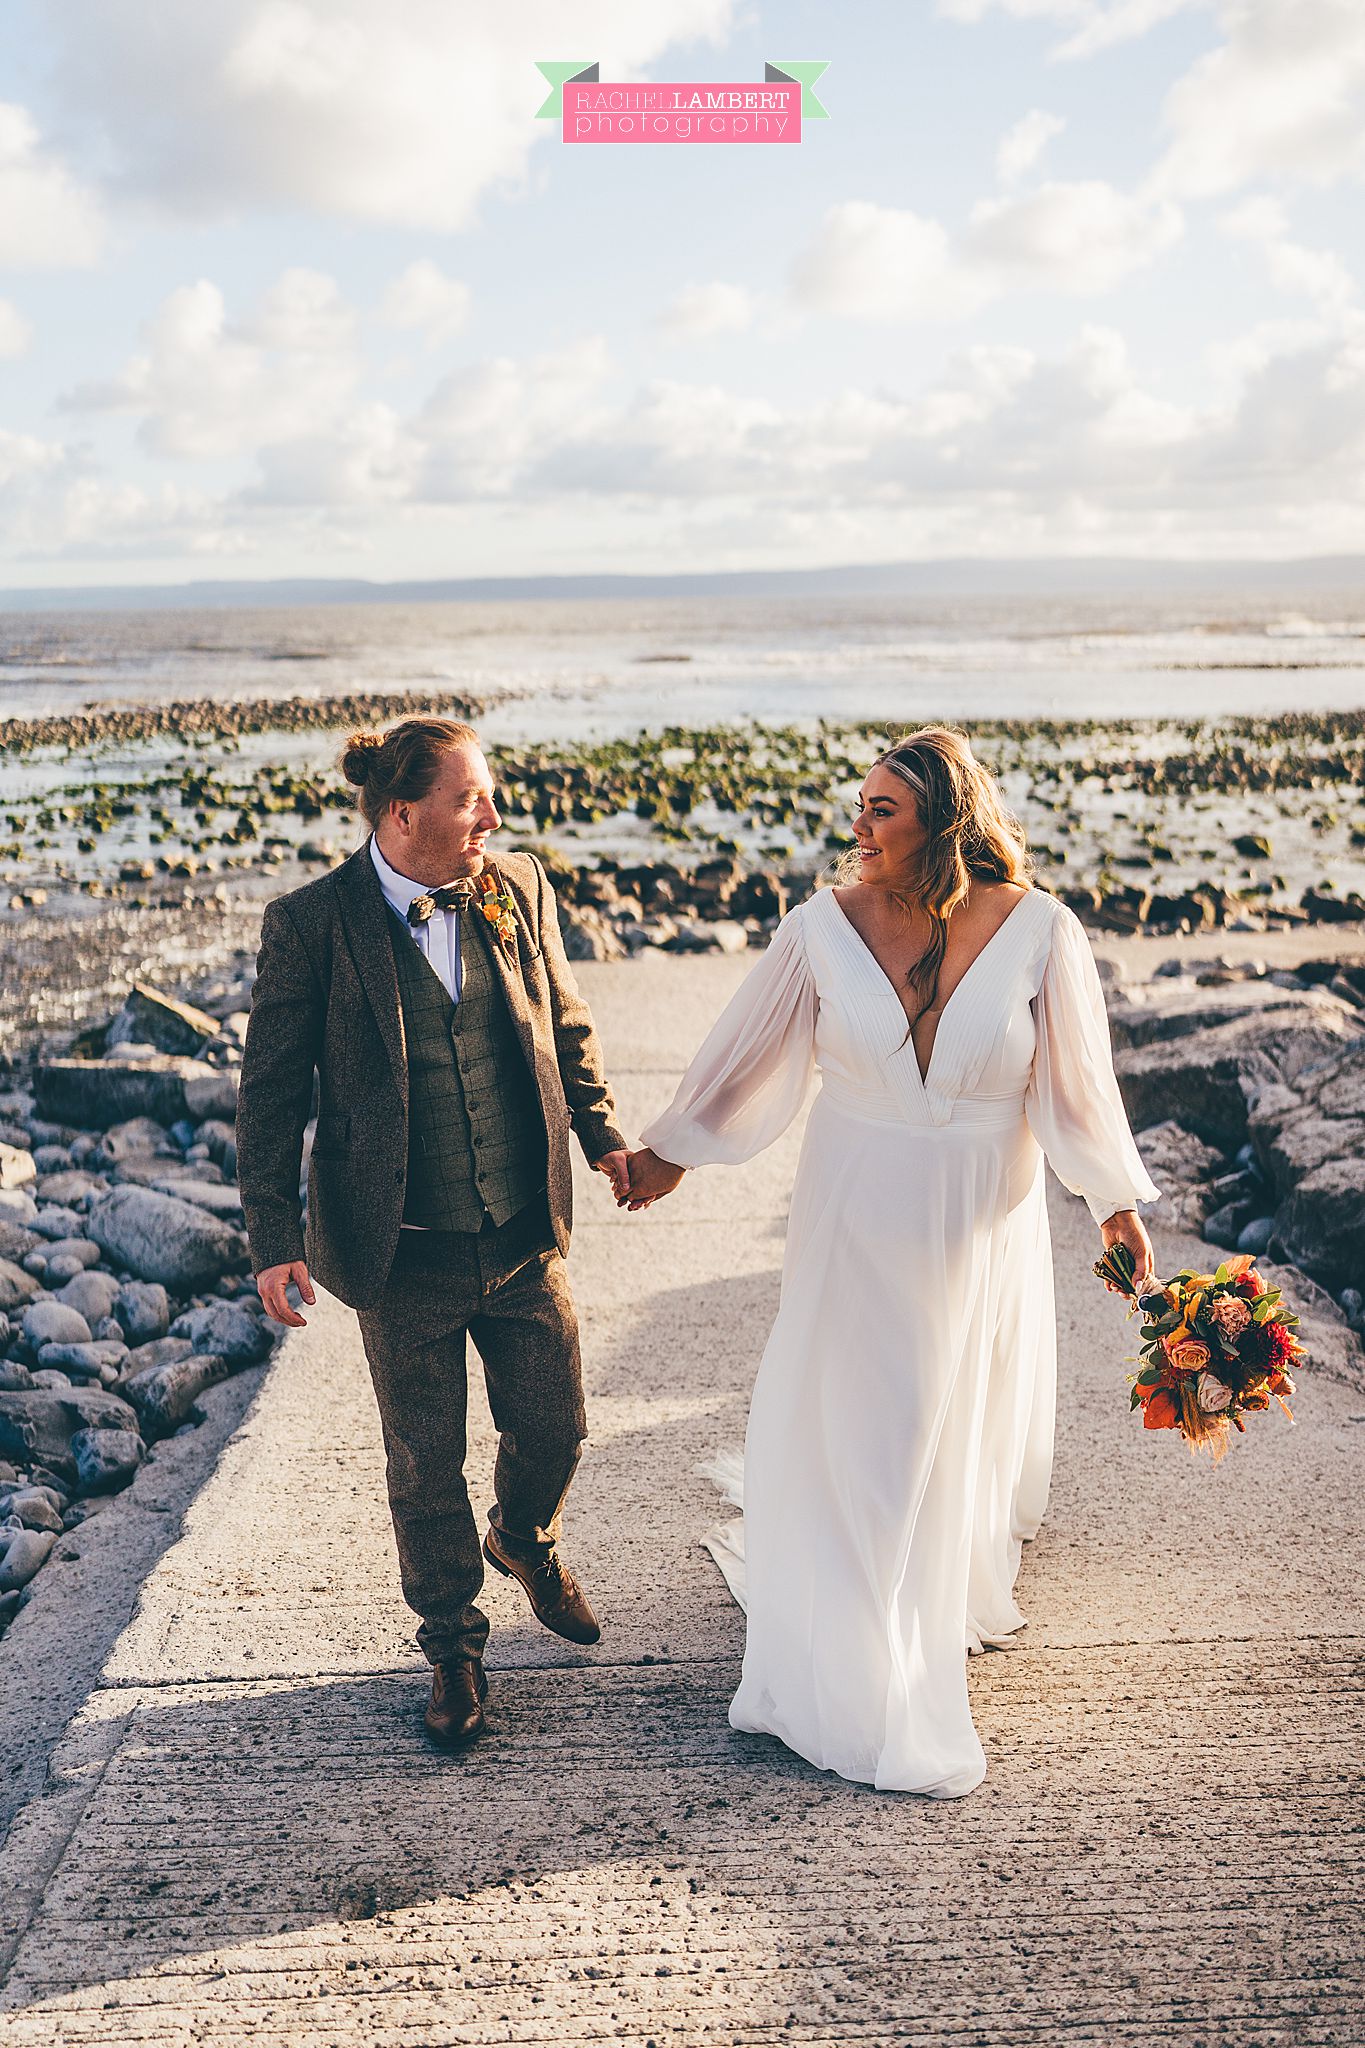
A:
[650,1178]
[270,1285]
[1125,1226]
[616,1166]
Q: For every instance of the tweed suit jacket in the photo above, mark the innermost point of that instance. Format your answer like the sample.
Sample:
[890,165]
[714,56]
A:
[326,1002]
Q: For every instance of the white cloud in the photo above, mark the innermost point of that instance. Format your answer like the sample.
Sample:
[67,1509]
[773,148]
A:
[482,426]
[207,388]
[1077,237]
[1093,27]
[403,114]
[25,456]
[1023,144]
[48,219]
[1282,96]
[701,310]
[1007,449]
[1316,274]
[872,262]
[424,298]
[16,333]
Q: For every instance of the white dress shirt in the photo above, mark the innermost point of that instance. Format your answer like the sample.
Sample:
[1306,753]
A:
[438,940]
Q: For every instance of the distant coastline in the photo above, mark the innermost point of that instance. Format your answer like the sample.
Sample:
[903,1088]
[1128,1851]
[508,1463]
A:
[947,576]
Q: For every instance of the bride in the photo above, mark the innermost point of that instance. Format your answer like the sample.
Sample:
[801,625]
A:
[899,1444]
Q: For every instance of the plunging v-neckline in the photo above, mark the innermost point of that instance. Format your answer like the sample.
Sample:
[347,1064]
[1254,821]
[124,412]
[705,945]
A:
[927,1069]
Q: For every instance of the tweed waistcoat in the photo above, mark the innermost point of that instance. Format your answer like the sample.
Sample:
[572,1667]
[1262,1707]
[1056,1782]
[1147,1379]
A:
[476,1135]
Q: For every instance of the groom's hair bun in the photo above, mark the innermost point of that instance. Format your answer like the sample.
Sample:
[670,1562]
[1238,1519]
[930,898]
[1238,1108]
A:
[400,766]
[358,758]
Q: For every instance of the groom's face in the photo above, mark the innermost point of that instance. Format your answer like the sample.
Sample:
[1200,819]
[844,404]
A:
[444,833]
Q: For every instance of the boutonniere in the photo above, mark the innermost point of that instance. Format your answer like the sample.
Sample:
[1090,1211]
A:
[497,906]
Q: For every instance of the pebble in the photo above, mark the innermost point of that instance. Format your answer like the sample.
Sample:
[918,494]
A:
[93,1361]
[34,1509]
[51,1322]
[50,1377]
[79,1248]
[1255,1236]
[14,1377]
[92,1295]
[143,1309]
[23,1555]
[57,1222]
[17,1287]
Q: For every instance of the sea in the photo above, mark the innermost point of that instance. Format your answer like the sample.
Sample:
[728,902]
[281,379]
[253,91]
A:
[596,668]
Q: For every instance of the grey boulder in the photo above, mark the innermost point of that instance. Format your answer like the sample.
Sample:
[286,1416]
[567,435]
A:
[37,1425]
[106,1459]
[135,1137]
[93,1361]
[51,1322]
[151,1017]
[143,1310]
[165,1088]
[161,1238]
[24,1554]
[17,1288]
[163,1395]
[92,1295]
[218,1200]
[222,1327]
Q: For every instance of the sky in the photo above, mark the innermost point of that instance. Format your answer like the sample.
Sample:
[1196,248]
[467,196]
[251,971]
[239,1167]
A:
[304,288]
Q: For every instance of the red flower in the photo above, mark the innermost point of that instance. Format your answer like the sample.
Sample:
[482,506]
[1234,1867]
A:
[1250,1283]
[1282,1345]
[1161,1410]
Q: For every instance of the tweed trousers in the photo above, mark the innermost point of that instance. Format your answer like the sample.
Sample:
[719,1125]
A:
[505,1286]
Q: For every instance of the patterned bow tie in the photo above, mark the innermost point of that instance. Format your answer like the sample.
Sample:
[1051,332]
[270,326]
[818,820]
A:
[453,897]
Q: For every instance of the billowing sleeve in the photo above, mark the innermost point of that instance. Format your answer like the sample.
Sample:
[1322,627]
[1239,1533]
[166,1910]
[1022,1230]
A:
[1073,1103]
[751,1075]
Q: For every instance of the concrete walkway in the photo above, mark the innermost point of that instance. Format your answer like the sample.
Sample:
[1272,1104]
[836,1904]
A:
[245,1837]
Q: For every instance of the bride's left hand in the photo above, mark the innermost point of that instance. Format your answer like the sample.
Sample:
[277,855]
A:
[1125,1226]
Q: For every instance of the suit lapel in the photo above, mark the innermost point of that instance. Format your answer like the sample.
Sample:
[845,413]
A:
[364,917]
[506,968]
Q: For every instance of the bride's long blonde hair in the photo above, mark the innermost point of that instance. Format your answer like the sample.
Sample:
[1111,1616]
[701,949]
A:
[970,833]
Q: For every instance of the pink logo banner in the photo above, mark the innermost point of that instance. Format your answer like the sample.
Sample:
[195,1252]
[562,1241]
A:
[704,112]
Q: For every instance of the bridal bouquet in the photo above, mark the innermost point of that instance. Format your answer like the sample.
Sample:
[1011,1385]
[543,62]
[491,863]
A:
[1217,1346]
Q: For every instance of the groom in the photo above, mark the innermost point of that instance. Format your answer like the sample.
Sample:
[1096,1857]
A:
[428,992]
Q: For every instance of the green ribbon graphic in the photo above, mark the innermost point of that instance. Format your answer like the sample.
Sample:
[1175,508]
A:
[805,76]
[558,76]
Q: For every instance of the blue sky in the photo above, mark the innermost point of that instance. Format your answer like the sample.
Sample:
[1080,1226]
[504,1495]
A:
[301,287]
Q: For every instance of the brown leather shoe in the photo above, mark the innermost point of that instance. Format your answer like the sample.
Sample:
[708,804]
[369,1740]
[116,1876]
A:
[557,1600]
[454,1716]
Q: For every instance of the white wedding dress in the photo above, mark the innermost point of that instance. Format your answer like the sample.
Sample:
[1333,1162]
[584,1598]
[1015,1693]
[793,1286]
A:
[899,1444]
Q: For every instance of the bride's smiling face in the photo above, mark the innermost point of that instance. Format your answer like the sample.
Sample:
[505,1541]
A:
[887,828]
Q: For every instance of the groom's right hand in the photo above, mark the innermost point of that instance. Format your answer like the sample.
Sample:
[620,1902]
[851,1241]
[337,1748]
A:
[270,1285]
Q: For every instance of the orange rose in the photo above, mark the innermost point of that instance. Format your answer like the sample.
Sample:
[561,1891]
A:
[1161,1411]
[1187,1355]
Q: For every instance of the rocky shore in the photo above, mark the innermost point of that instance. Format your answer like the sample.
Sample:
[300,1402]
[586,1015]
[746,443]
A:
[125,1284]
